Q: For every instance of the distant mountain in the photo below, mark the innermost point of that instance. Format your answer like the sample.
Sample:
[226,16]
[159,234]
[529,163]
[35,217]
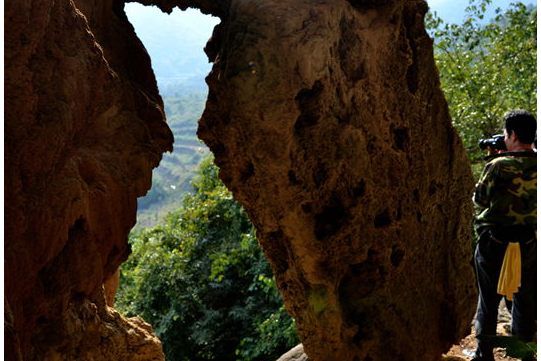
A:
[175,43]
[175,87]
[171,180]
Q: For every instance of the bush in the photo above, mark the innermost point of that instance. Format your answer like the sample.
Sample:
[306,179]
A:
[202,281]
[486,69]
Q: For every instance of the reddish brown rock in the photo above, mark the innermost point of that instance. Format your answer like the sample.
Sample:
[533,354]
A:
[328,123]
[94,333]
[110,287]
[84,126]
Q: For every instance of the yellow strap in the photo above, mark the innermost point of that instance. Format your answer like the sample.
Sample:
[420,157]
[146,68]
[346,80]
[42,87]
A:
[509,281]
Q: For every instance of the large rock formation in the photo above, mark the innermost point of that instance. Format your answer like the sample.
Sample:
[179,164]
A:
[84,126]
[328,124]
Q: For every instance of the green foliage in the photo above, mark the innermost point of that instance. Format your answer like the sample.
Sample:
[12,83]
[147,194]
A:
[202,281]
[277,332]
[514,347]
[486,68]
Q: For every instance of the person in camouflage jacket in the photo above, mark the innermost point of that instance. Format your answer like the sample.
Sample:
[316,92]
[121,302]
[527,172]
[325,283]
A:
[506,211]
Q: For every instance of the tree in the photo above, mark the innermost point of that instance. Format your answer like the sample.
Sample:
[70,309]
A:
[486,69]
[202,281]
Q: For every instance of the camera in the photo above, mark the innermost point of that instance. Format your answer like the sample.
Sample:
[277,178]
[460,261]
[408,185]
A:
[496,142]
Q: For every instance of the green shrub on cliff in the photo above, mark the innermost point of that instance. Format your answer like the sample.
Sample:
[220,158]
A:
[202,281]
[486,68]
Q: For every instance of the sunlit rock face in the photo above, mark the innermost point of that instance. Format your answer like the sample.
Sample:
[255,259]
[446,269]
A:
[84,126]
[329,126]
[295,354]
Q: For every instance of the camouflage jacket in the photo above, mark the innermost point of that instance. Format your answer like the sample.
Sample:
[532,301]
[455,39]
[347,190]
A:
[506,194]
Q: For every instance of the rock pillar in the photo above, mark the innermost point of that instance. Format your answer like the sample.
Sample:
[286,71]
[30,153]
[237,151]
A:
[84,126]
[327,121]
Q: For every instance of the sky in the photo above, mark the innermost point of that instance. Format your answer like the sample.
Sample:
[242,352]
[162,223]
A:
[452,11]
[449,10]
[175,42]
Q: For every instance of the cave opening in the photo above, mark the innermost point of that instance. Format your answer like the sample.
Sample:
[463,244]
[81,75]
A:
[175,45]
[196,272]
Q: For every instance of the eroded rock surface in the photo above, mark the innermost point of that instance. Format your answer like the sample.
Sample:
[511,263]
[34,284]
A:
[328,124]
[84,126]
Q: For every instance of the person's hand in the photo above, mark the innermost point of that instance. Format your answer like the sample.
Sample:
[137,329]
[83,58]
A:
[491,151]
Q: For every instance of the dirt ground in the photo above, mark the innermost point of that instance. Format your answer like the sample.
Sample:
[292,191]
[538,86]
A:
[466,349]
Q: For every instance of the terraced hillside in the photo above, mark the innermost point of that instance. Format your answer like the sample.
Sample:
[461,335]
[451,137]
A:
[171,180]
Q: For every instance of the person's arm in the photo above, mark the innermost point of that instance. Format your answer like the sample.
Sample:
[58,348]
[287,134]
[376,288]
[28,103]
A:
[485,187]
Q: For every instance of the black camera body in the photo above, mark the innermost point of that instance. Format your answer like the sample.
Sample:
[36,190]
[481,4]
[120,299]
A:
[496,142]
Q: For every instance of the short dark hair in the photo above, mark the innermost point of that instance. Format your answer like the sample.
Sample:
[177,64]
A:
[521,122]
